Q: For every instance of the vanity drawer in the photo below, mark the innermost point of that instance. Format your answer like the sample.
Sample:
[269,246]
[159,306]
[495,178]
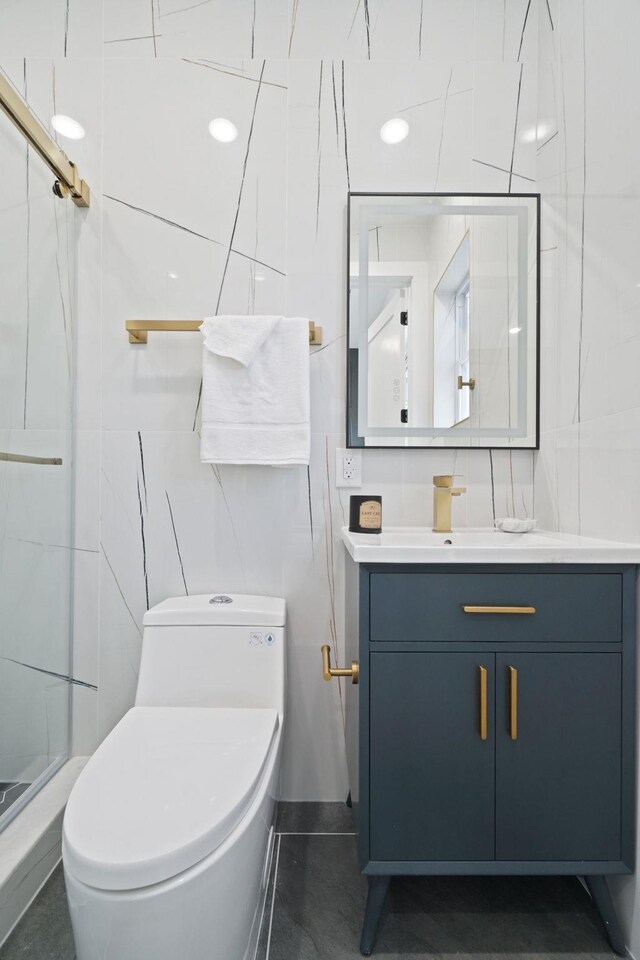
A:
[578,607]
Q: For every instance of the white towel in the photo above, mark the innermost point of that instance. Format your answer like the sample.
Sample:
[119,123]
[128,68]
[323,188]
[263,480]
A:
[255,390]
[237,337]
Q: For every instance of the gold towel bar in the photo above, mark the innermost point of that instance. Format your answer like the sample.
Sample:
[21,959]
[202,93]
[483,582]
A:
[22,458]
[138,329]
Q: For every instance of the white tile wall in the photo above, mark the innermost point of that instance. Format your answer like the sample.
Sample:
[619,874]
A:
[259,226]
[256,226]
[586,474]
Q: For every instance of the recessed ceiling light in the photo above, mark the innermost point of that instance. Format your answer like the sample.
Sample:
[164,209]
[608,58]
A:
[223,130]
[67,127]
[259,277]
[173,276]
[393,131]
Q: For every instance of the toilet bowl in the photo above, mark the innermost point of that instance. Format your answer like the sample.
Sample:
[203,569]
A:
[168,832]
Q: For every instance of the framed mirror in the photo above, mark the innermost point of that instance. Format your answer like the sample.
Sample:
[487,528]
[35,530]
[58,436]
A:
[443,320]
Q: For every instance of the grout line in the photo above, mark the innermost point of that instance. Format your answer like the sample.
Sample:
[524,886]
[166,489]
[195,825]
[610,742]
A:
[314,833]
[273,896]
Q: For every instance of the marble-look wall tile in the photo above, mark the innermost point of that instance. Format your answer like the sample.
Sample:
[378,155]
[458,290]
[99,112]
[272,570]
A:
[174,28]
[375,30]
[169,253]
[86,635]
[173,526]
[27,749]
[51,28]
[183,227]
[590,302]
[504,127]
[507,31]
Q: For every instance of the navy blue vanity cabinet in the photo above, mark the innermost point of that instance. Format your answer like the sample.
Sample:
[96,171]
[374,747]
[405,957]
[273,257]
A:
[493,727]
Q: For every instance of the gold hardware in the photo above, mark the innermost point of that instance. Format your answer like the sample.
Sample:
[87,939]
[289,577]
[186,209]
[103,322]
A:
[138,329]
[21,458]
[513,703]
[56,159]
[442,494]
[468,609]
[328,671]
[483,702]
[471,383]
[315,334]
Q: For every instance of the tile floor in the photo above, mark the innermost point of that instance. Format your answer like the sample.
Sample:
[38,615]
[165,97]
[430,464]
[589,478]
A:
[316,898]
[9,793]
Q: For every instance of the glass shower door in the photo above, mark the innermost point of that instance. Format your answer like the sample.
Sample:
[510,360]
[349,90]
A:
[36,445]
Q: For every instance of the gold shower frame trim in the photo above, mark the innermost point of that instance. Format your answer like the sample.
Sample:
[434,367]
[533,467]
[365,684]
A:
[69,182]
[138,329]
[23,458]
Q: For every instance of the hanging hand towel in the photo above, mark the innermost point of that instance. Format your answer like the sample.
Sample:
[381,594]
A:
[255,390]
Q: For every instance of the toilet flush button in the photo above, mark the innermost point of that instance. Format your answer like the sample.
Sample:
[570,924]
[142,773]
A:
[269,639]
[221,598]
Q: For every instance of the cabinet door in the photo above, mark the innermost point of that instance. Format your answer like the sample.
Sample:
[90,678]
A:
[558,784]
[431,793]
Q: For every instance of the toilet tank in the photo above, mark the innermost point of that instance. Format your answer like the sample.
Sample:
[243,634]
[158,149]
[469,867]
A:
[214,650]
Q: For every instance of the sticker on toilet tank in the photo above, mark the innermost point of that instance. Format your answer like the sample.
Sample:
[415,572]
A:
[258,639]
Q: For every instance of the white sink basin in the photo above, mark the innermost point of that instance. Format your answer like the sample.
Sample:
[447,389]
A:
[483,545]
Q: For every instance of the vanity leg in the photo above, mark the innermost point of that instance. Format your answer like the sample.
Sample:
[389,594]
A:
[597,887]
[378,887]
[348,801]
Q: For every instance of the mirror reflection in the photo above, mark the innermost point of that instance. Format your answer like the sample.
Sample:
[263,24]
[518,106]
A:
[443,320]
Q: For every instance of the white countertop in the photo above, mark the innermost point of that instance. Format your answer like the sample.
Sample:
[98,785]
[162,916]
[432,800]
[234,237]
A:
[483,545]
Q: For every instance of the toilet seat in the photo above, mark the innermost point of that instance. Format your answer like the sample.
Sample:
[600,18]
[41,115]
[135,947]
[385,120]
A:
[163,791]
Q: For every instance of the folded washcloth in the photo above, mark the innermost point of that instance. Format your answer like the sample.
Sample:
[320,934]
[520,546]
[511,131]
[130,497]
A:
[255,390]
[237,337]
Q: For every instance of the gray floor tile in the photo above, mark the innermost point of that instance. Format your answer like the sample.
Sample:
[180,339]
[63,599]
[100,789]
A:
[319,901]
[320,896]
[314,817]
[44,933]
[9,793]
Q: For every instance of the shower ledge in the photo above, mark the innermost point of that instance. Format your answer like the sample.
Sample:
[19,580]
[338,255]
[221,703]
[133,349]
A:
[30,846]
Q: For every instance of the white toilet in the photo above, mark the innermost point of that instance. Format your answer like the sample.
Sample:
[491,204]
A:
[168,833]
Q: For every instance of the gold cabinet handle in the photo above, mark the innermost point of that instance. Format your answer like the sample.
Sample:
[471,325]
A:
[471,383]
[328,671]
[513,703]
[483,675]
[468,609]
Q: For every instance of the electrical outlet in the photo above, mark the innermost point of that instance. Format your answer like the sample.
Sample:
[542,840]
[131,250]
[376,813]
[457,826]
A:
[348,468]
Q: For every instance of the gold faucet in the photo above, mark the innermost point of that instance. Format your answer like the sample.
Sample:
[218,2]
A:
[443,491]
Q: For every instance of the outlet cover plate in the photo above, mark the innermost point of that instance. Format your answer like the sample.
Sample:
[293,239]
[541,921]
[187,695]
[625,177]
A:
[348,468]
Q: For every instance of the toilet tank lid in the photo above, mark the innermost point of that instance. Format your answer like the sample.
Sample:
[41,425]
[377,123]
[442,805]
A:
[210,609]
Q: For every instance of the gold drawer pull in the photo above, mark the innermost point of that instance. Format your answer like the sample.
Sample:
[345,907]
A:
[482,672]
[468,609]
[328,671]
[513,703]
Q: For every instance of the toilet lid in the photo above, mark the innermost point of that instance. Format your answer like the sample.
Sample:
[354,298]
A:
[162,791]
